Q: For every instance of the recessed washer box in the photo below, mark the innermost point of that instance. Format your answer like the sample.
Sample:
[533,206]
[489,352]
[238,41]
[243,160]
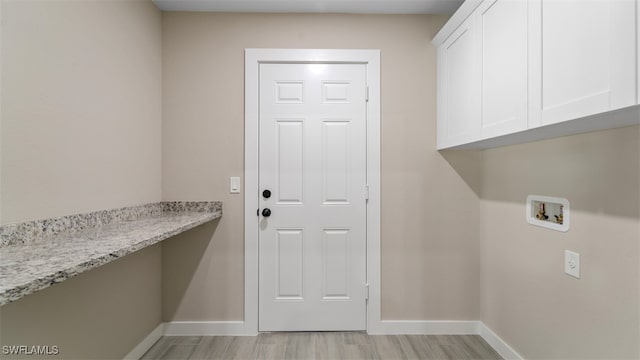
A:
[548,212]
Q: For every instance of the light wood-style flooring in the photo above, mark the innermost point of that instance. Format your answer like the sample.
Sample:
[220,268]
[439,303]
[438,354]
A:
[322,345]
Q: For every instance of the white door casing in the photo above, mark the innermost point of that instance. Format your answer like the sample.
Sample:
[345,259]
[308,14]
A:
[312,268]
[370,60]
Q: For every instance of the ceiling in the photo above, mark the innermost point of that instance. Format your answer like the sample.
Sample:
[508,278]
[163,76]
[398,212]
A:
[315,6]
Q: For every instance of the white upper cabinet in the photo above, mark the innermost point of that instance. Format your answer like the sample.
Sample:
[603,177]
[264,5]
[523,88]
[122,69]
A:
[482,75]
[582,58]
[512,71]
[501,52]
[457,90]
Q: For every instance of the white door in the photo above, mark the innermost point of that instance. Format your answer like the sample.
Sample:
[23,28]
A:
[582,58]
[312,246]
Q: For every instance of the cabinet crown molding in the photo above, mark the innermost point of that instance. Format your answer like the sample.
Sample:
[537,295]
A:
[463,12]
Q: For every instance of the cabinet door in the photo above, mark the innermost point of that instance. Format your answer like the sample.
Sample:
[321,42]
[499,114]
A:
[582,58]
[501,31]
[458,95]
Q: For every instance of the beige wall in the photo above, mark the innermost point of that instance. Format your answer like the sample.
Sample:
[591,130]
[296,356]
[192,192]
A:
[100,314]
[430,216]
[526,297]
[81,107]
[183,258]
[80,113]
[81,122]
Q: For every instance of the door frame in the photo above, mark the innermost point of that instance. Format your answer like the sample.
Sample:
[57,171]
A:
[253,59]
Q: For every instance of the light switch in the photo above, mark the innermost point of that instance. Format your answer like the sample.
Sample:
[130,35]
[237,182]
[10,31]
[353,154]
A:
[234,185]
[572,263]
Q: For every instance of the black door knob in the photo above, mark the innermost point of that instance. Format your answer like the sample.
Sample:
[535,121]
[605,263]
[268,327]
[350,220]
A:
[266,212]
[266,194]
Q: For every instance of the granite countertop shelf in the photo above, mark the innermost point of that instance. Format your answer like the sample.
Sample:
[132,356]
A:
[37,254]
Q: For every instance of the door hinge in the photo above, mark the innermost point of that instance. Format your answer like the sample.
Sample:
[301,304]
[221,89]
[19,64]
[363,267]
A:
[366,94]
[366,292]
[366,192]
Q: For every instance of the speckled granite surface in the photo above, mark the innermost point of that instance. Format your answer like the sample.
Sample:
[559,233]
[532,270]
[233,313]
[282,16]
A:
[53,250]
[26,232]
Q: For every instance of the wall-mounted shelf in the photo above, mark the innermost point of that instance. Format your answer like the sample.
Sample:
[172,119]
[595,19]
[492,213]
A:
[40,253]
[548,212]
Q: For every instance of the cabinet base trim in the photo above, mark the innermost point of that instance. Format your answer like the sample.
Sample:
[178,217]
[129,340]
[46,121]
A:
[613,119]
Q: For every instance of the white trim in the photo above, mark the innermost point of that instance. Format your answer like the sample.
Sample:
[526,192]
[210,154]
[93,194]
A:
[445,327]
[499,345]
[385,327]
[426,327]
[314,7]
[146,343]
[253,58]
[251,105]
[373,181]
[205,328]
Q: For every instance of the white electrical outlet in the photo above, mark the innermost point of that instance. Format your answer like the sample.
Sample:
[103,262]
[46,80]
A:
[572,263]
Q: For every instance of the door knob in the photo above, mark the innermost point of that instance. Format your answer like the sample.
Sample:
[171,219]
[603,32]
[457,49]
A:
[266,194]
[266,212]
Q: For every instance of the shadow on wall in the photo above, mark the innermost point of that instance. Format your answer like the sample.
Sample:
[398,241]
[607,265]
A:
[181,258]
[468,164]
[597,172]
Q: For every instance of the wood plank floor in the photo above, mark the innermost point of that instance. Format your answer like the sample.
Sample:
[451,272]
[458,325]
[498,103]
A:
[322,345]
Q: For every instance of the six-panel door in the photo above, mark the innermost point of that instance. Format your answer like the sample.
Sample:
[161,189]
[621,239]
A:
[312,250]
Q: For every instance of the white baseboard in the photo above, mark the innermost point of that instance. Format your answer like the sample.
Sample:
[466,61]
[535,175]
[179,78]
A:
[146,343]
[385,327]
[424,327]
[205,328]
[429,327]
[497,343]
